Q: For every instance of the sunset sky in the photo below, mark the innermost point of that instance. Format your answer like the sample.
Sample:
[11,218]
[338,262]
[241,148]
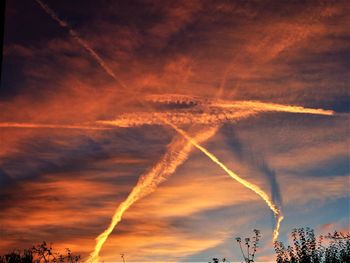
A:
[128,62]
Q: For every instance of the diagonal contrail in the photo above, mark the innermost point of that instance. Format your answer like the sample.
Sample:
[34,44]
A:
[80,41]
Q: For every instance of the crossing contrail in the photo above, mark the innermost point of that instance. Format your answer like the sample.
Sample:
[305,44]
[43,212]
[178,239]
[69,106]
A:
[177,152]
[274,208]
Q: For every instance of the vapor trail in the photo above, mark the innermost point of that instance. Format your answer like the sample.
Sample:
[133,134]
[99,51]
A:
[177,152]
[49,126]
[233,105]
[80,41]
[177,118]
[251,186]
[215,113]
[263,106]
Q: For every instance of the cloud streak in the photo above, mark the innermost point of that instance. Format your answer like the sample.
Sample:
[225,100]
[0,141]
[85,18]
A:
[49,126]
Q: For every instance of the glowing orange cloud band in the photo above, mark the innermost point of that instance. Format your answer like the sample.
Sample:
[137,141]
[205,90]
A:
[177,118]
[213,113]
[49,126]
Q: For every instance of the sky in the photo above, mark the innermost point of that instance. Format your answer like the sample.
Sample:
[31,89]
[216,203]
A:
[62,185]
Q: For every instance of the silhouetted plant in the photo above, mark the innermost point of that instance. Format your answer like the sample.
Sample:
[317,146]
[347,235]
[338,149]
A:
[123,257]
[216,260]
[42,253]
[251,245]
[306,249]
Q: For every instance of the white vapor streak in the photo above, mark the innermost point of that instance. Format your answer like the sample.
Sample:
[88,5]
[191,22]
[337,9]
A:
[233,105]
[80,41]
[264,106]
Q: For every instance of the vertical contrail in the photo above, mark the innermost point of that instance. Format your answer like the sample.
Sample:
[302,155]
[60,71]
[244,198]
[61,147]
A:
[246,154]
[251,186]
[177,152]
[80,41]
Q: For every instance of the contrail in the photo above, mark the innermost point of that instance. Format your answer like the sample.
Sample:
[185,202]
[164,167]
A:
[233,105]
[177,118]
[253,187]
[219,113]
[263,106]
[177,152]
[215,113]
[49,126]
[185,118]
[80,41]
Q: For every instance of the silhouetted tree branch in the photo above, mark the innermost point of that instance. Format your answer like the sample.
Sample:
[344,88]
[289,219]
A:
[42,253]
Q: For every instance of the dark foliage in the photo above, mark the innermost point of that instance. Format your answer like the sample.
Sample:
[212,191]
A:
[42,253]
[216,260]
[251,245]
[333,248]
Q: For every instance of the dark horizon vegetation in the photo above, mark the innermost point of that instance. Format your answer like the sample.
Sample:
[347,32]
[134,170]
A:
[305,248]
